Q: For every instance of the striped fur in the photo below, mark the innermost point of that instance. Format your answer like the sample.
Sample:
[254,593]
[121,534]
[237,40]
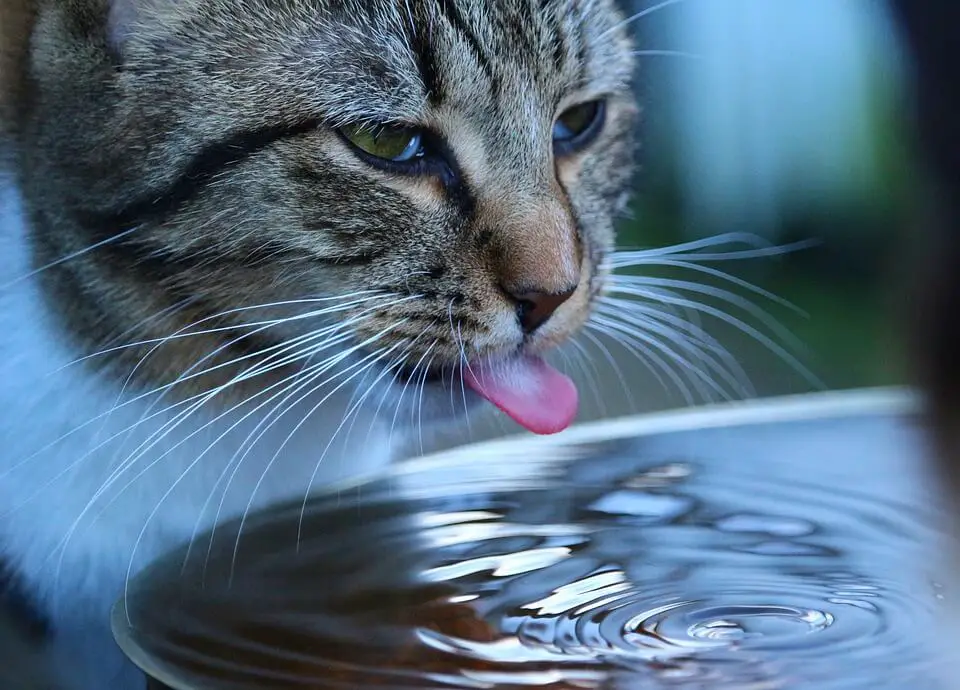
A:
[183,155]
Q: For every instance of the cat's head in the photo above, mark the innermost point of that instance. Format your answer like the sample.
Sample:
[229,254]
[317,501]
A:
[432,183]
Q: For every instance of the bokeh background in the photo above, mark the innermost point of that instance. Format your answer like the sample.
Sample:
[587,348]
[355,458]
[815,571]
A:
[787,120]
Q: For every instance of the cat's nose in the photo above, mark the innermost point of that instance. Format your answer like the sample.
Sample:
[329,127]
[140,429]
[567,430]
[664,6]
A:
[536,255]
[535,308]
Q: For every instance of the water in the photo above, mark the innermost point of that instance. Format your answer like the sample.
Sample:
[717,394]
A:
[755,556]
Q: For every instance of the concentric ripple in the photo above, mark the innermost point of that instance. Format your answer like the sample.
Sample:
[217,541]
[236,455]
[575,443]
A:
[788,555]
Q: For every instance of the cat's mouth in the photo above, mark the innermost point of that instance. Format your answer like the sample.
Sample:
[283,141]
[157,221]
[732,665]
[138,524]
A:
[523,386]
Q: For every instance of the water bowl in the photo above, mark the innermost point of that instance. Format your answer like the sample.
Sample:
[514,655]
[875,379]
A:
[776,544]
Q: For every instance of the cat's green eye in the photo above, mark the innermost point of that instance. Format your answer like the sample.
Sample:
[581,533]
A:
[394,144]
[576,126]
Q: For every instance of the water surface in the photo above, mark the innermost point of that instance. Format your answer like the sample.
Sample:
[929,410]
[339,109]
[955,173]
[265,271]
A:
[754,555]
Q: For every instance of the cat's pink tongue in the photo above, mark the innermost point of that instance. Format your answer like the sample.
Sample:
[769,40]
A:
[534,394]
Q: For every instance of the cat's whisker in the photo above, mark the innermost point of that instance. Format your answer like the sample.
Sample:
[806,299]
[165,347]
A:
[307,378]
[671,293]
[190,466]
[185,332]
[383,355]
[451,388]
[722,275]
[707,366]
[689,246]
[396,366]
[143,323]
[642,310]
[169,310]
[399,406]
[667,292]
[368,361]
[644,316]
[583,360]
[696,376]
[465,366]
[327,364]
[62,546]
[403,389]
[657,336]
[230,469]
[275,361]
[147,394]
[606,354]
[412,376]
[640,351]
[68,257]
[464,362]
[364,366]
[417,378]
[423,383]
[158,436]
[362,386]
[352,411]
[716,358]
[270,363]
[637,16]
[747,330]
[202,397]
[692,251]
[653,289]
[363,389]
[580,359]
[453,337]
[398,363]
[189,373]
[644,353]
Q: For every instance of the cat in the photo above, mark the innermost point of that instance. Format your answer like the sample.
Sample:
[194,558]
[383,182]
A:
[250,246]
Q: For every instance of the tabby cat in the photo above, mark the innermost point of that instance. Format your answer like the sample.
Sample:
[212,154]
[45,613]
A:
[249,245]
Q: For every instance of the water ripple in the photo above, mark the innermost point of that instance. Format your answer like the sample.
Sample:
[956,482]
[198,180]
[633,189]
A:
[719,560]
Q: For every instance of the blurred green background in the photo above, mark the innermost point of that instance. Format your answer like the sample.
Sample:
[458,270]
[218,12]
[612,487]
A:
[801,106]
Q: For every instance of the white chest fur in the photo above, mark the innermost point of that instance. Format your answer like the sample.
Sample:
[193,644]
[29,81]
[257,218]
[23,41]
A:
[91,488]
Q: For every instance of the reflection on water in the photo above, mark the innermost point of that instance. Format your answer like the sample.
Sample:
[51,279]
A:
[760,556]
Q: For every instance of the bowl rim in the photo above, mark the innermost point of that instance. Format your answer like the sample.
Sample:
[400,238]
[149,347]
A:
[880,401]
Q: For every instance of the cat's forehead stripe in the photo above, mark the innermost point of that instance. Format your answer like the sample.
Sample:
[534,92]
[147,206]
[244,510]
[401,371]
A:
[459,24]
[481,54]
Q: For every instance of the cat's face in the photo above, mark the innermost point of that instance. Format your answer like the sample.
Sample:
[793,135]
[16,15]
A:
[430,182]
